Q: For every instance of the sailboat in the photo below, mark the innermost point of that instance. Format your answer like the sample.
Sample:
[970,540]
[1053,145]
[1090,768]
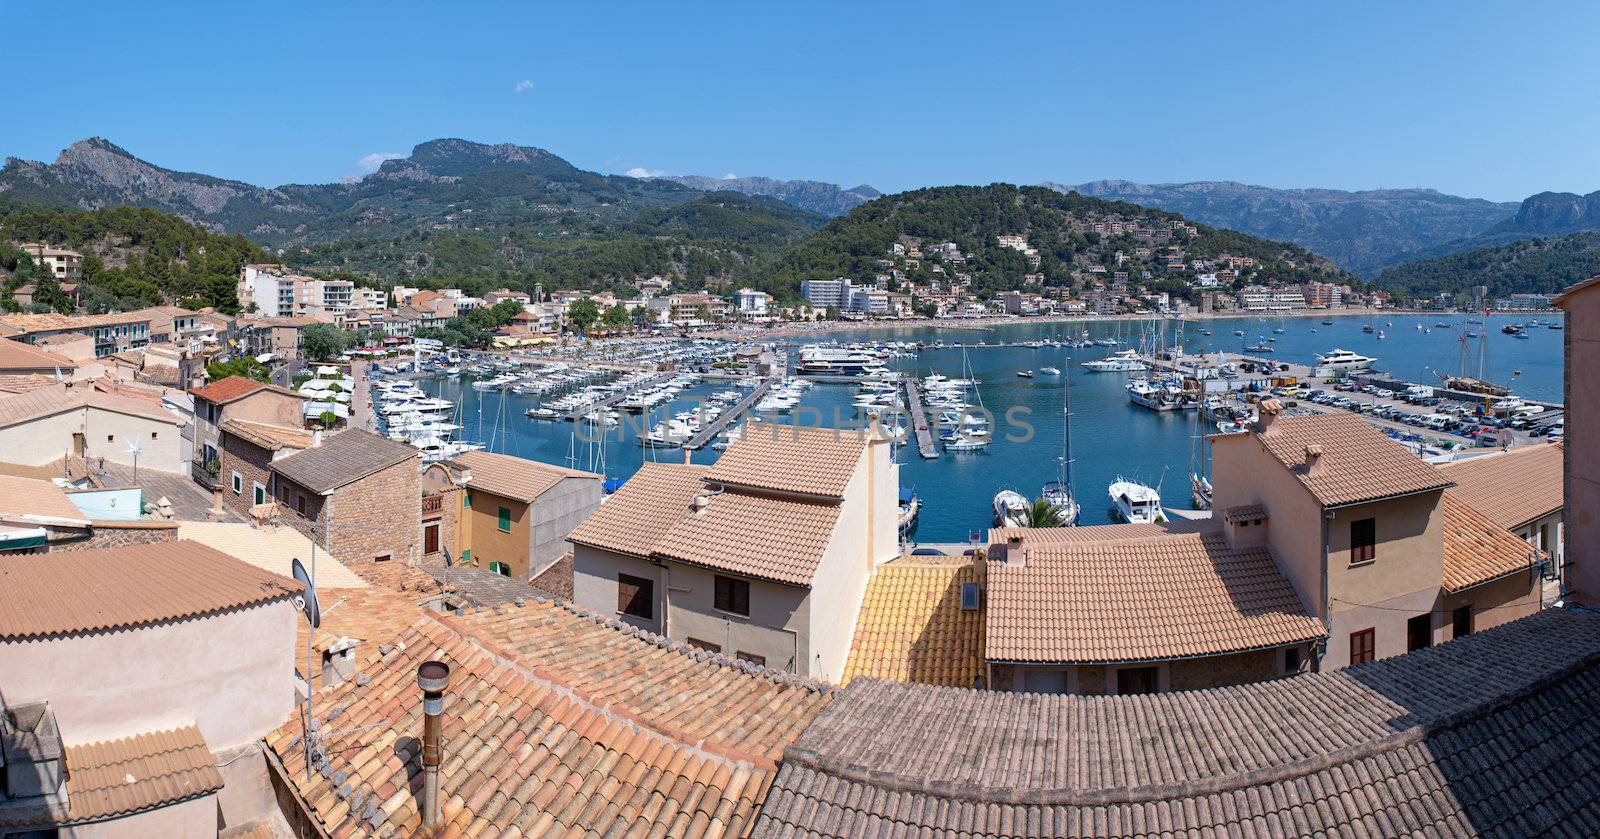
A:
[1058,493]
[1199,481]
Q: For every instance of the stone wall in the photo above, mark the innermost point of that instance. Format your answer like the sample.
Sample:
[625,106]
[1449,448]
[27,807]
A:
[254,465]
[448,518]
[117,534]
[378,515]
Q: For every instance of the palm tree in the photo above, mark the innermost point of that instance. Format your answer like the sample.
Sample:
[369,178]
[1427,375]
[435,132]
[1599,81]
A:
[1042,514]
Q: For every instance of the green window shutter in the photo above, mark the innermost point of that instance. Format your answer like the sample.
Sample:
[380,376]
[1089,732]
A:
[505,519]
[466,500]
[466,556]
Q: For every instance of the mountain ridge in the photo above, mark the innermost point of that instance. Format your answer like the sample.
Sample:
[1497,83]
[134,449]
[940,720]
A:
[817,196]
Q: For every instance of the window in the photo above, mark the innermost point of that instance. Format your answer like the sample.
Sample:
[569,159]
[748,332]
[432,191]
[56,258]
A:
[111,438]
[238,484]
[1419,632]
[636,596]
[1361,646]
[152,435]
[1363,541]
[258,493]
[466,556]
[1137,680]
[757,660]
[733,596]
[969,596]
[1291,660]
[466,500]
[1461,622]
[500,568]
[705,645]
[430,539]
[383,557]
[505,520]
[300,504]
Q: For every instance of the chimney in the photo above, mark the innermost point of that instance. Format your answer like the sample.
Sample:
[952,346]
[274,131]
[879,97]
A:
[1266,415]
[1313,461]
[1016,552]
[433,677]
[316,438]
[700,502]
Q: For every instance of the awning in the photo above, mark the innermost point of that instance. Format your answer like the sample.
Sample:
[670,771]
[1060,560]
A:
[30,537]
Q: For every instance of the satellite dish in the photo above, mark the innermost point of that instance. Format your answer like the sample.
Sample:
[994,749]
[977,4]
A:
[447,560]
[307,600]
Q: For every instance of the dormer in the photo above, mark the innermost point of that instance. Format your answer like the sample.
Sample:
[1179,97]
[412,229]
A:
[1245,526]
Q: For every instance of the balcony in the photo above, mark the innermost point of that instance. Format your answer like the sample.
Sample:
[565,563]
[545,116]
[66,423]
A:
[432,504]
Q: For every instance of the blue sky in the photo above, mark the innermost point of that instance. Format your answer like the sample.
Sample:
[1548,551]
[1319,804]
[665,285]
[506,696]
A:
[1495,101]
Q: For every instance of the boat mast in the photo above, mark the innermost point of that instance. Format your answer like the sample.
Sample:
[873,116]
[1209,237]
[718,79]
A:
[1064,467]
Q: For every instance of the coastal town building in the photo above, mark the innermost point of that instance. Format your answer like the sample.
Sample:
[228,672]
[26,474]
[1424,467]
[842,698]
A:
[1520,491]
[752,305]
[278,293]
[101,740]
[1370,538]
[355,494]
[1257,298]
[45,424]
[1581,452]
[516,513]
[66,266]
[19,359]
[824,294]
[763,555]
[235,400]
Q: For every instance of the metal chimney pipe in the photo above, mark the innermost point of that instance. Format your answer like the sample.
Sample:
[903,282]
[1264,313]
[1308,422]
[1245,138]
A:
[433,677]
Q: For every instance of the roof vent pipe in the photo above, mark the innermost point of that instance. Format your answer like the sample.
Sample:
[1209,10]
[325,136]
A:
[433,677]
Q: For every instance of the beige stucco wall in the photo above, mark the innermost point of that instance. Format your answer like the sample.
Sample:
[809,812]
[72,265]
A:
[231,674]
[1493,603]
[1582,477]
[46,439]
[192,819]
[1387,618]
[480,532]
[865,535]
[594,583]
[1243,472]
[1409,556]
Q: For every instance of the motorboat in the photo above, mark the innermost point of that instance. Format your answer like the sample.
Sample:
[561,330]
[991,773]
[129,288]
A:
[1136,503]
[1126,361]
[967,442]
[541,414]
[1050,371]
[910,508]
[1024,374]
[1010,509]
[1337,359]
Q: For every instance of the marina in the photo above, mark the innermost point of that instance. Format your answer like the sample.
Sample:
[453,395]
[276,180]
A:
[716,426]
[957,477]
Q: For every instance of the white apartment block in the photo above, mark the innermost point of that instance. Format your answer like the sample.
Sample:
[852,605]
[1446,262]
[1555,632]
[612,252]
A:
[1257,298]
[278,293]
[751,304]
[64,265]
[825,293]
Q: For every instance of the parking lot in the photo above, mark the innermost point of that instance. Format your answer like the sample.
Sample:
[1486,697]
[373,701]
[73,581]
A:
[1417,411]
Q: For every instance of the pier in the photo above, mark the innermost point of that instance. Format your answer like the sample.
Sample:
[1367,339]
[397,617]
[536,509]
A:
[578,413]
[707,434]
[919,420]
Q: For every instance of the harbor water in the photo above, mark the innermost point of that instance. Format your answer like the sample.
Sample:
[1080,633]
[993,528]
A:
[1111,437]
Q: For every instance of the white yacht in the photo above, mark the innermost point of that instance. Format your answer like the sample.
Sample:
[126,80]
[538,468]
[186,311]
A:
[1010,509]
[838,361]
[1338,359]
[1136,503]
[1117,362]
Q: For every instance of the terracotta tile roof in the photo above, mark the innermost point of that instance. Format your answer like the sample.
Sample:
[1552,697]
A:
[793,535]
[1513,488]
[1358,462]
[56,399]
[635,516]
[271,549]
[1185,594]
[114,778]
[480,586]
[397,576]
[513,477]
[1244,512]
[343,458]
[226,390]
[689,694]
[372,616]
[524,755]
[1095,532]
[786,458]
[32,497]
[114,588]
[15,355]
[1489,735]
[24,383]
[1476,550]
[267,436]
[911,627]
[557,579]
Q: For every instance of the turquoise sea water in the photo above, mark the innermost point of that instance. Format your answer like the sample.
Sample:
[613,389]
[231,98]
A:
[1110,436]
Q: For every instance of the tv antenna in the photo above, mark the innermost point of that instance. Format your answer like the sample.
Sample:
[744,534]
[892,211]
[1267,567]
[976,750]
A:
[306,602]
[133,449]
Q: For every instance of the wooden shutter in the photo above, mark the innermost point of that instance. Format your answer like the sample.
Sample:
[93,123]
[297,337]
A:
[1362,646]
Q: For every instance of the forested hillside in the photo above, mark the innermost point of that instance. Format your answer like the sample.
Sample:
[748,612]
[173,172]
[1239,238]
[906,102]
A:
[1543,266]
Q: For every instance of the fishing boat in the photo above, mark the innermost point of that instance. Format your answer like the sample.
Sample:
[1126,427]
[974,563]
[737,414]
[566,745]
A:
[1511,329]
[1136,503]
[1058,493]
[1024,374]
[1010,509]
[1327,322]
[1369,328]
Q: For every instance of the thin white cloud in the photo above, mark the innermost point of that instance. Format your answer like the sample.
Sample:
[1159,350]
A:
[371,162]
[641,172]
[730,176]
[524,86]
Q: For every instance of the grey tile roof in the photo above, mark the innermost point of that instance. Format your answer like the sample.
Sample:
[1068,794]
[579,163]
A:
[1493,735]
[343,458]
